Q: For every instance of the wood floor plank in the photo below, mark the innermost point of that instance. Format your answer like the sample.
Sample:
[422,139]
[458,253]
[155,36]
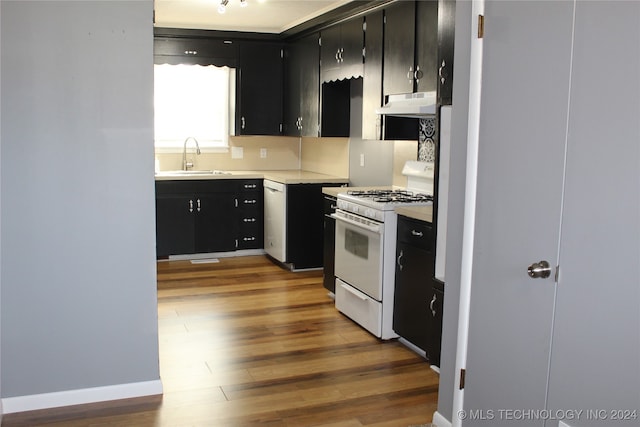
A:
[245,343]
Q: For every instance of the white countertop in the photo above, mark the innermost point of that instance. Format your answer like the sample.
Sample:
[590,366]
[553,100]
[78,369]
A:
[282,176]
[422,213]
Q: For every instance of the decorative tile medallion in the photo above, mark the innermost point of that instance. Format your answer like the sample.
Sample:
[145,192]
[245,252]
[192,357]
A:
[426,140]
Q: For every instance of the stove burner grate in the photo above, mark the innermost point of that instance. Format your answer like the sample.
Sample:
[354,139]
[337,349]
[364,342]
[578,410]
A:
[391,196]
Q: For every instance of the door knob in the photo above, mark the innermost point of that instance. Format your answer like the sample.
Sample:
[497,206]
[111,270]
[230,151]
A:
[540,270]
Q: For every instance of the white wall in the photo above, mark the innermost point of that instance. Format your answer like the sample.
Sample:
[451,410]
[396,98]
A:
[78,306]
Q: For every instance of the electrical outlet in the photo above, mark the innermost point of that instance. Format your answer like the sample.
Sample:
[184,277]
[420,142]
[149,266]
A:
[361,159]
[237,153]
[263,153]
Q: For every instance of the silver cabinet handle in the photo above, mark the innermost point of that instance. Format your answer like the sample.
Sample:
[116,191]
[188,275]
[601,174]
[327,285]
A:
[418,74]
[250,186]
[243,123]
[248,239]
[198,203]
[249,220]
[410,75]
[250,202]
[539,270]
[190,205]
[433,301]
[416,233]
[400,259]
[440,70]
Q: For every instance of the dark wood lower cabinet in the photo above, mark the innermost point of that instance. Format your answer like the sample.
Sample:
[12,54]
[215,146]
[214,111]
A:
[328,259]
[412,294]
[204,216]
[435,323]
[417,311]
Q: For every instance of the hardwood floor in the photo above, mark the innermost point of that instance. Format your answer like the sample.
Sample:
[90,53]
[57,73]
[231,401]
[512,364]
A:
[246,343]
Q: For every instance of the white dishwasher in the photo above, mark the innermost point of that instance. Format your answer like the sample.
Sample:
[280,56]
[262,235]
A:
[275,219]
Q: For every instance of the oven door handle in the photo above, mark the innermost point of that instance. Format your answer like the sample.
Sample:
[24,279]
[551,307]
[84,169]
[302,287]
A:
[373,228]
[354,292]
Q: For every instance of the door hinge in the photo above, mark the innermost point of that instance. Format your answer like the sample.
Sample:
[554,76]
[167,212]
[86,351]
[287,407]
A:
[462,374]
[281,53]
[480,26]
[364,25]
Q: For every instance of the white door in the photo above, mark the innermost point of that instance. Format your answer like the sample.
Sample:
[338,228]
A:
[522,138]
[595,357]
[541,353]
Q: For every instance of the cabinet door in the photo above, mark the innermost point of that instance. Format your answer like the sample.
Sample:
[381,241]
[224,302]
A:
[328,256]
[293,89]
[426,60]
[260,96]
[305,223]
[174,225]
[446,33]
[202,51]
[351,50]
[330,51]
[215,222]
[302,106]
[434,325]
[411,315]
[372,81]
[399,48]
[310,85]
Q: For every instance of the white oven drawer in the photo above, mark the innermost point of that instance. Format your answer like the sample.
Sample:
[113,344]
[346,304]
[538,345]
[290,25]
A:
[361,308]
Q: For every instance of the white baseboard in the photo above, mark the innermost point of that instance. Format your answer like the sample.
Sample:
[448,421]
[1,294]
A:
[440,421]
[80,396]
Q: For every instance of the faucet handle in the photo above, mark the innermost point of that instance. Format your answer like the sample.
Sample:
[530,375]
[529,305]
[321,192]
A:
[188,165]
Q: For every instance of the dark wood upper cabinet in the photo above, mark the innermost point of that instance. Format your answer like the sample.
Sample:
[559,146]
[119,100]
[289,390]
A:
[426,56]
[200,51]
[341,50]
[259,96]
[446,35]
[410,47]
[372,80]
[399,46]
[302,87]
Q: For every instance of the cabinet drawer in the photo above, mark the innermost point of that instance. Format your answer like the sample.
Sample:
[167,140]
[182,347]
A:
[250,241]
[364,310]
[251,185]
[415,233]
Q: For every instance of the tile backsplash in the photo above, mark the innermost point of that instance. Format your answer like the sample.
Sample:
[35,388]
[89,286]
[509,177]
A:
[427,140]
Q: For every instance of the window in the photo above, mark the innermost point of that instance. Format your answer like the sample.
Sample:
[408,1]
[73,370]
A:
[193,100]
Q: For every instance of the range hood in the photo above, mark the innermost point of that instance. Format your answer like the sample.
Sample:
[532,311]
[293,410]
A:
[413,105]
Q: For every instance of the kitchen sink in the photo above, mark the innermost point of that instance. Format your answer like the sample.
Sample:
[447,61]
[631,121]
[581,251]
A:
[192,172]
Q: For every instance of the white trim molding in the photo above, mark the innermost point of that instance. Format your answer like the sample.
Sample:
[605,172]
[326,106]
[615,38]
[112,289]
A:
[80,396]
[439,420]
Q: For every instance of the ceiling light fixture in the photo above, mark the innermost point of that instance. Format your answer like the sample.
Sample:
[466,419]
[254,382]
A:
[222,7]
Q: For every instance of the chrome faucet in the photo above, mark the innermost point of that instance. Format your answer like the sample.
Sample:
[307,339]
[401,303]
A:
[186,165]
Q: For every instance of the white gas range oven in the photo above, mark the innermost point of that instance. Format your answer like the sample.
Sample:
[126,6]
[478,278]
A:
[365,248]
